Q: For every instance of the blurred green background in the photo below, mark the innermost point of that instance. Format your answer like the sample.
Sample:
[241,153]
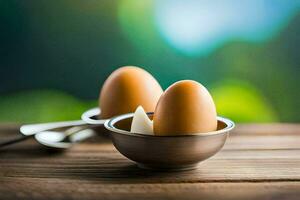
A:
[55,55]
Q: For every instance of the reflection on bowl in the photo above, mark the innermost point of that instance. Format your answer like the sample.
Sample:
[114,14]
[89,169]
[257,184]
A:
[166,152]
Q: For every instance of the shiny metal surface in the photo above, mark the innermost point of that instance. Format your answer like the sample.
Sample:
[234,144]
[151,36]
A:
[166,152]
[64,139]
[91,116]
[31,129]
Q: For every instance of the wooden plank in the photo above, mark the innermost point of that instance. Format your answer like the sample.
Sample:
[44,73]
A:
[268,129]
[261,142]
[28,188]
[107,165]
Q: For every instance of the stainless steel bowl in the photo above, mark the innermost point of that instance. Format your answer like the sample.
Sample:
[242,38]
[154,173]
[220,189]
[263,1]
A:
[166,152]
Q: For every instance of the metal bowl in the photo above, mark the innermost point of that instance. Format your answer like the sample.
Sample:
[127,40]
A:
[166,152]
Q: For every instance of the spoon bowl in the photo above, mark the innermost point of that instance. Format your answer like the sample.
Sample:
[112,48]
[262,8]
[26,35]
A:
[52,139]
[166,152]
[62,140]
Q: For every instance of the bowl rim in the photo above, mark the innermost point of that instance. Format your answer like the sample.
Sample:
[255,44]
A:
[109,124]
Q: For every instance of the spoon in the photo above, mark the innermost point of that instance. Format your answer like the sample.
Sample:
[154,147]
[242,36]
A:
[29,130]
[64,140]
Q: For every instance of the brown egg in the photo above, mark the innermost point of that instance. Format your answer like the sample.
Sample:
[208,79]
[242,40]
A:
[126,89]
[186,107]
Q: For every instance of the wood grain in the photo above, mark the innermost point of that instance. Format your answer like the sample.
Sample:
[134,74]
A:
[257,162]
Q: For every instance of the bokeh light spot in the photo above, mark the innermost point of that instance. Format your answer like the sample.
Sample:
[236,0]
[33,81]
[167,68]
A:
[199,27]
[242,102]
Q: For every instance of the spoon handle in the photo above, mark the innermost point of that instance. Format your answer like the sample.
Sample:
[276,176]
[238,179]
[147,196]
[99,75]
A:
[32,129]
[15,140]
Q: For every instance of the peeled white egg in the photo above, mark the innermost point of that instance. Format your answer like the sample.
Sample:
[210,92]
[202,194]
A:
[141,123]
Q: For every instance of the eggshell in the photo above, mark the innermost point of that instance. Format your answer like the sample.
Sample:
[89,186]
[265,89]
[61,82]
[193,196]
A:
[186,107]
[127,88]
[141,123]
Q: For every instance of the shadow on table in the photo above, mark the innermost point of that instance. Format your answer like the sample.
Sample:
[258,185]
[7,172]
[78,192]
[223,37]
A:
[32,149]
[127,172]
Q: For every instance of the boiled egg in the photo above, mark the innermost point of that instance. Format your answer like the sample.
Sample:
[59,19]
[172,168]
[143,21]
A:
[186,107]
[141,123]
[127,88]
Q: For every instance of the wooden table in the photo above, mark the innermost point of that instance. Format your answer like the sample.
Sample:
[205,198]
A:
[257,162]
